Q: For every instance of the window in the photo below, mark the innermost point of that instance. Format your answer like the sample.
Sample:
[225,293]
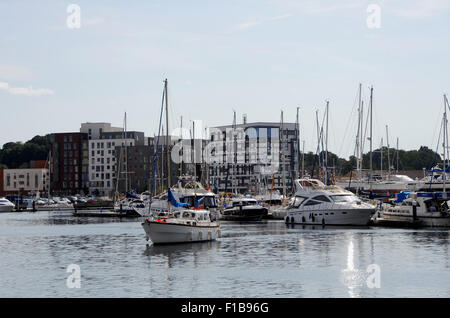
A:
[297,201]
[345,198]
[312,202]
[322,198]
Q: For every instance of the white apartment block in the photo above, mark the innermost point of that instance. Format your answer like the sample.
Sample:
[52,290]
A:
[94,130]
[102,164]
[31,180]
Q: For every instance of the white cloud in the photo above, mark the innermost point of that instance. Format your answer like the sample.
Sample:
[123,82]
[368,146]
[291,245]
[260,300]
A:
[25,91]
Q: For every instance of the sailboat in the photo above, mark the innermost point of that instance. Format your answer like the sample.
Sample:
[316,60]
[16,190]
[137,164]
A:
[422,208]
[373,185]
[179,223]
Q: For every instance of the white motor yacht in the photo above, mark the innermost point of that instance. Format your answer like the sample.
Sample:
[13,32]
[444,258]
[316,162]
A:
[181,226]
[6,205]
[316,203]
[378,185]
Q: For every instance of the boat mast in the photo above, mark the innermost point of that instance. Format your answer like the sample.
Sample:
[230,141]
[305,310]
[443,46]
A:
[389,160]
[381,157]
[282,156]
[193,152]
[303,160]
[326,147]
[371,131]
[162,161]
[126,152]
[297,126]
[181,142]
[397,157]
[49,172]
[359,135]
[167,135]
[444,195]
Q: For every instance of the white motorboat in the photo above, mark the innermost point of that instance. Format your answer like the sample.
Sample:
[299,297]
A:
[378,185]
[417,208]
[181,226]
[434,181]
[317,203]
[6,205]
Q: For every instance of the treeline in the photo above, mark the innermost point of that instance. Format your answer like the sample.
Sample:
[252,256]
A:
[18,155]
[424,157]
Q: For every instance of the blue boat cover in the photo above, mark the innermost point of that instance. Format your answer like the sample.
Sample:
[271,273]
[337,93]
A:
[174,201]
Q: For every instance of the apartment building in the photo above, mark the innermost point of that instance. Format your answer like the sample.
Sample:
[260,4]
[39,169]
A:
[67,163]
[253,156]
[103,162]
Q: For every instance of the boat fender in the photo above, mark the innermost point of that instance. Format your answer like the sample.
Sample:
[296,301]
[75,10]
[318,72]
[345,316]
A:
[303,219]
[287,220]
[323,221]
[312,217]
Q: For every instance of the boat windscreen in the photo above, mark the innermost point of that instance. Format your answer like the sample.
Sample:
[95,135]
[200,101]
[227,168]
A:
[345,198]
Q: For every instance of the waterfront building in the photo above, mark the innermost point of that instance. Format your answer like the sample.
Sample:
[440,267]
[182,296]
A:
[26,181]
[253,156]
[68,164]
[103,162]
[94,130]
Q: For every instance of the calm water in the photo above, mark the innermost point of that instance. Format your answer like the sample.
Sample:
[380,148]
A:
[266,259]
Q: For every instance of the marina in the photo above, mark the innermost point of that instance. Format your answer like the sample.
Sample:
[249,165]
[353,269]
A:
[225,150]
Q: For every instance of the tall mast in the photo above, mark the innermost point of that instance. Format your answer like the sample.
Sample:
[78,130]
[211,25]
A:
[282,155]
[371,131]
[167,135]
[193,152]
[303,159]
[181,142]
[389,158]
[318,138]
[49,172]
[162,162]
[297,126]
[359,141]
[445,147]
[326,146]
[381,156]
[397,157]
[126,151]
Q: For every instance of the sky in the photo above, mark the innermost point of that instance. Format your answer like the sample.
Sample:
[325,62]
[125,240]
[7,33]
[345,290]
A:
[257,57]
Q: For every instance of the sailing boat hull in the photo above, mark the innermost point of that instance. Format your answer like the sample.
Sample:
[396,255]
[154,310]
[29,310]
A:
[169,233]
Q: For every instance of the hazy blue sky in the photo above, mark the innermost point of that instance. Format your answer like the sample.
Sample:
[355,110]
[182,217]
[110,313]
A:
[255,56]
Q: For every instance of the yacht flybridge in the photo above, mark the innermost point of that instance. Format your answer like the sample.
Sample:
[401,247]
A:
[316,203]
